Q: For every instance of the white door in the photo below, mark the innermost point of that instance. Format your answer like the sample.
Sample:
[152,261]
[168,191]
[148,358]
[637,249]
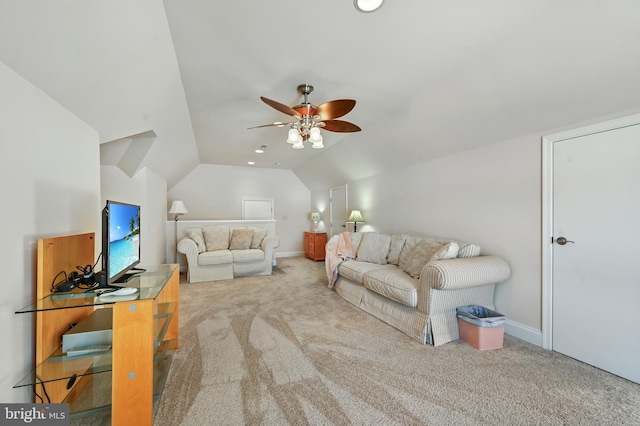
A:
[338,206]
[257,208]
[596,272]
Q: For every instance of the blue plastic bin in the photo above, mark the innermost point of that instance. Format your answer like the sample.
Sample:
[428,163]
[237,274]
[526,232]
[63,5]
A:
[481,316]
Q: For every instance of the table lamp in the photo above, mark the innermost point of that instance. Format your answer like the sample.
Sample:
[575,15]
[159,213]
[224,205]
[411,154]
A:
[355,217]
[177,208]
[315,217]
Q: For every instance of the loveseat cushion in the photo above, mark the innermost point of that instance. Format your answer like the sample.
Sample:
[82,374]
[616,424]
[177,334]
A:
[419,251]
[354,270]
[356,237]
[397,242]
[468,250]
[465,249]
[249,255]
[240,238]
[393,284]
[196,235]
[258,236]
[216,237]
[217,257]
[374,248]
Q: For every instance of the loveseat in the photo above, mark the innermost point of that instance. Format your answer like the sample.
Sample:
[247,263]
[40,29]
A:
[413,283]
[217,253]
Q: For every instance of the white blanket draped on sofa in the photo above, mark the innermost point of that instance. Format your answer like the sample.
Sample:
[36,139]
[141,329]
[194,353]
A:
[338,250]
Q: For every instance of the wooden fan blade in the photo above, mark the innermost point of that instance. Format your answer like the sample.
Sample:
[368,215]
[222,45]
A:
[340,126]
[276,124]
[280,107]
[334,109]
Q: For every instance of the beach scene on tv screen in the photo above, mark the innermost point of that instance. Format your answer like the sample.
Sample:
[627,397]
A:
[124,237]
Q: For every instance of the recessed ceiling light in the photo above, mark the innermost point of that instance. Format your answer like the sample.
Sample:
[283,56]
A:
[251,163]
[261,149]
[367,5]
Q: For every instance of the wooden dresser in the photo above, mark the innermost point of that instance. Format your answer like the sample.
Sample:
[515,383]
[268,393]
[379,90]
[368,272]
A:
[314,245]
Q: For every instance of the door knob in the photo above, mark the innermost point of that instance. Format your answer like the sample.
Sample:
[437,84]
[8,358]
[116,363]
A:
[562,241]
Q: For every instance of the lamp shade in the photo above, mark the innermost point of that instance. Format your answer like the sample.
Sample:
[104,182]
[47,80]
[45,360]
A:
[177,207]
[355,216]
[294,136]
[314,134]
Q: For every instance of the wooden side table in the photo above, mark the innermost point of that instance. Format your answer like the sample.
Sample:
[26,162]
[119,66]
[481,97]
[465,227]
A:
[314,245]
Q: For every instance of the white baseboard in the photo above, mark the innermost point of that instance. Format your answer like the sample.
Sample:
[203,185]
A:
[524,332]
[289,254]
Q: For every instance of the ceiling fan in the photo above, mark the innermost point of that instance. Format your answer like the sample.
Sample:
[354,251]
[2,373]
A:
[310,118]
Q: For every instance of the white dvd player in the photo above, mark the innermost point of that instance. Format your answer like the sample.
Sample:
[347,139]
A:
[94,330]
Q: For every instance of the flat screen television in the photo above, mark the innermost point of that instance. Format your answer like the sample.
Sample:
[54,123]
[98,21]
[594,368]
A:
[120,243]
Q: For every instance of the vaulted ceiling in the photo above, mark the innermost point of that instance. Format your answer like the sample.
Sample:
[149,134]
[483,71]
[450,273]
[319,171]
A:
[177,83]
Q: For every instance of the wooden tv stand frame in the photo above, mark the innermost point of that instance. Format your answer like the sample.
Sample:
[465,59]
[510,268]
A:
[135,329]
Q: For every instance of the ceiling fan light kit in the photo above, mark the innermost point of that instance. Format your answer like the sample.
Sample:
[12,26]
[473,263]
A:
[294,136]
[310,119]
[367,5]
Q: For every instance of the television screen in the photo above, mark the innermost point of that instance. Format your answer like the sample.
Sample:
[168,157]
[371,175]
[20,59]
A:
[120,239]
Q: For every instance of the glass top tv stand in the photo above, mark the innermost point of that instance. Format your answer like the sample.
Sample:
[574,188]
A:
[124,380]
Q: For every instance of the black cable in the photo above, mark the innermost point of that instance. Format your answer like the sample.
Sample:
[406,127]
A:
[86,286]
[88,273]
[44,389]
[36,393]
[54,286]
[98,259]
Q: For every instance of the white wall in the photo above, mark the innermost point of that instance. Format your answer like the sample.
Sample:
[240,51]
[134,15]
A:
[214,192]
[113,64]
[148,190]
[50,187]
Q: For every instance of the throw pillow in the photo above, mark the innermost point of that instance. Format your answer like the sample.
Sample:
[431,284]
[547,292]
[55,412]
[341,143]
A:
[417,252]
[452,252]
[196,235]
[258,236]
[468,249]
[241,239]
[397,242]
[374,248]
[465,249]
[355,240]
[216,237]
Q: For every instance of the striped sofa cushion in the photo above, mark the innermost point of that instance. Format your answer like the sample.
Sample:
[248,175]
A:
[248,255]
[218,257]
[394,284]
[355,270]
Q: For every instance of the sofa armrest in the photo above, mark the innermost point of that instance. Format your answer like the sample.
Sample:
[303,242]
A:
[189,248]
[447,274]
[269,244]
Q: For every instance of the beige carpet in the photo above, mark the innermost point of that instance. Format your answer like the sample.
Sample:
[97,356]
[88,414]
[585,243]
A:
[286,349]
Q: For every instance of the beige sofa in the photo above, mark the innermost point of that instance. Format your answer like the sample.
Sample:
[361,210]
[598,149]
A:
[217,253]
[416,283]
